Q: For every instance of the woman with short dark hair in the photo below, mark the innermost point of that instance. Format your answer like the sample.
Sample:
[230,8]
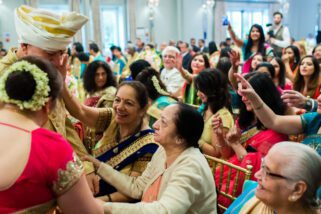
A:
[178,178]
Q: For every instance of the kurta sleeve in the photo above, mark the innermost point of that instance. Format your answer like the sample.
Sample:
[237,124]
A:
[182,190]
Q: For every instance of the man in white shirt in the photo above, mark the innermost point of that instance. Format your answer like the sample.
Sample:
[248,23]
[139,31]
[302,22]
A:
[280,38]
[170,76]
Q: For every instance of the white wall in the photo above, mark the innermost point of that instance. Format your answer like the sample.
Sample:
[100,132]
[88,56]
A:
[165,19]
[303,17]
[7,22]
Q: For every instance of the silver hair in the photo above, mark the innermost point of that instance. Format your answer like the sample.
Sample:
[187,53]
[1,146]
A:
[302,163]
[170,48]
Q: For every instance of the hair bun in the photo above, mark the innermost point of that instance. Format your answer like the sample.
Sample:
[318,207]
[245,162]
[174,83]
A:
[20,86]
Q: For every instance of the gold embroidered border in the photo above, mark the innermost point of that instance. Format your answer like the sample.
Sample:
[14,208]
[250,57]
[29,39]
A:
[47,207]
[104,119]
[68,177]
[139,143]
[248,134]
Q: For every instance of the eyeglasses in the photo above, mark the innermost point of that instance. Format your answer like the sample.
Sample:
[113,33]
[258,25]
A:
[271,174]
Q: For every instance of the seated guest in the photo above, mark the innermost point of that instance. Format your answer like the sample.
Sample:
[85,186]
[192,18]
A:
[178,178]
[197,64]
[249,141]
[41,167]
[307,79]
[287,183]
[119,61]
[279,78]
[170,75]
[308,123]
[211,87]
[95,52]
[291,58]
[158,97]
[127,143]
[186,54]
[137,66]
[99,84]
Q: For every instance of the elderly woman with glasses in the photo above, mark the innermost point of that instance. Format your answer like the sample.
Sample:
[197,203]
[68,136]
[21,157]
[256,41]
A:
[287,182]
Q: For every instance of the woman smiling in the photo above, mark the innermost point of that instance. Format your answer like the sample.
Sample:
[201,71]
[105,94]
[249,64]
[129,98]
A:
[127,143]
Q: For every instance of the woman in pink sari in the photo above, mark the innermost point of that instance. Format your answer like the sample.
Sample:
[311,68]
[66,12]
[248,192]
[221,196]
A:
[249,140]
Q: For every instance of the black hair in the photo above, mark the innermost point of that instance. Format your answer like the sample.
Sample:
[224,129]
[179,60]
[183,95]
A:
[265,88]
[189,124]
[78,47]
[93,46]
[213,84]
[89,76]
[113,47]
[318,45]
[212,47]
[151,45]
[140,90]
[297,56]
[224,64]
[313,83]
[83,57]
[278,13]
[281,77]
[202,40]
[269,66]
[249,44]
[22,86]
[206,61]
[137,66]
[145,77]
[225,52]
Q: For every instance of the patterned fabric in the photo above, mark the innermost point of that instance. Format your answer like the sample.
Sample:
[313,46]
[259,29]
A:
[130,155]
[189,94]
[155,110]
[207,135]
[311,124]
[52,169]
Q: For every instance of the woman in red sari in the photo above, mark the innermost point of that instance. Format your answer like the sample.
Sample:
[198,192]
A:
[41,169]
[249,140]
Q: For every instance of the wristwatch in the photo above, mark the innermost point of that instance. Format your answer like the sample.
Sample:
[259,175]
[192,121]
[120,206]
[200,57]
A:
[308,104]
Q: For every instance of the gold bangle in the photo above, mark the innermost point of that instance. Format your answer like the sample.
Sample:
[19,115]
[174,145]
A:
[259,107]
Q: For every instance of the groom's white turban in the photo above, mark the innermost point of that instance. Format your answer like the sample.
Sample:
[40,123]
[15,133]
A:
[46,30]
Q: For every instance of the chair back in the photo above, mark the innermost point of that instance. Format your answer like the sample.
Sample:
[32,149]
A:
[234,173]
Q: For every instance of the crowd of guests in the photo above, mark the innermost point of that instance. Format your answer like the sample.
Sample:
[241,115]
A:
[81,132]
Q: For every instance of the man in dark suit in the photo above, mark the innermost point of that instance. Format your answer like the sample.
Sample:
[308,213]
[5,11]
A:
[201,45]
[185,52]
[194,48]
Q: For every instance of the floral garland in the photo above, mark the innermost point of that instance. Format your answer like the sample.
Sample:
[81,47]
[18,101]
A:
[158,88]
[40,96]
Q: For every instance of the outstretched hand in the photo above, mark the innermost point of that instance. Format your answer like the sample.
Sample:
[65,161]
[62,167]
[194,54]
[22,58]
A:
[235,58]
[179,62]
[63,65]
[294,98]
[92,160]
[245,89]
